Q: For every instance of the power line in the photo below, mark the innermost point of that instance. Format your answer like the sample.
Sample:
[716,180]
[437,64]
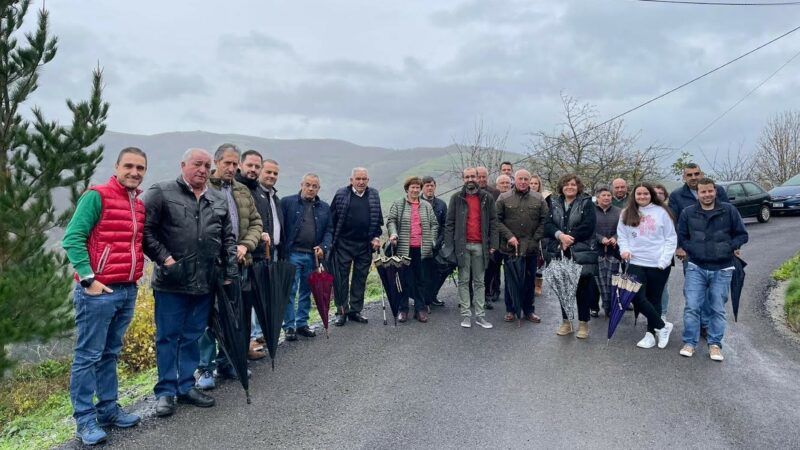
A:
[660,96]
[718,118]
[679,2]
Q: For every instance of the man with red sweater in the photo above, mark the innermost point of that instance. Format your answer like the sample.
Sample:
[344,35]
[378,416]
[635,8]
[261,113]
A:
[470,239]
[103,241]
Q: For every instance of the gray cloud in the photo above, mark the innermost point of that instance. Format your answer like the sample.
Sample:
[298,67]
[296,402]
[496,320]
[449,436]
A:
[169,86]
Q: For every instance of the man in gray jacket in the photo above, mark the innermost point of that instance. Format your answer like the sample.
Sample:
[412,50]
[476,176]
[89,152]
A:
[471,238]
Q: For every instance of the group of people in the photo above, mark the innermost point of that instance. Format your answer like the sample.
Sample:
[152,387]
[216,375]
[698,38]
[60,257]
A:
[222,212]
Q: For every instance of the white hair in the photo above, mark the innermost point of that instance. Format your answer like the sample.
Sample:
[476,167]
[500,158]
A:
[357,169]
[187,155]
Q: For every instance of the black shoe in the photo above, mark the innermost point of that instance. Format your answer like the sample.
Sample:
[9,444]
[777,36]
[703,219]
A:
[595,313]
[196,398]
[291,335]
[489,305]
[340,320]
[165,406]
[437,302]
[357,317]
[306,331]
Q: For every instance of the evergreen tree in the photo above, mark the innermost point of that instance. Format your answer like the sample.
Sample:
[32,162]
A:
[37,159]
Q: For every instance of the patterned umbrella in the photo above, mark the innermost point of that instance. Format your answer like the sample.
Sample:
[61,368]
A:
[561,280]
[623,288]
[607,265]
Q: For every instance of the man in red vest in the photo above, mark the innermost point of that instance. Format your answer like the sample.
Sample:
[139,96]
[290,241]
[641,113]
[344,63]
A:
[103,241]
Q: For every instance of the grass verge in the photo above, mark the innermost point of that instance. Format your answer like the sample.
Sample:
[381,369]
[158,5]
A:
[790,271]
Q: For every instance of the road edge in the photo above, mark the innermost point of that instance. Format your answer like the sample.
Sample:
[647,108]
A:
[776,297]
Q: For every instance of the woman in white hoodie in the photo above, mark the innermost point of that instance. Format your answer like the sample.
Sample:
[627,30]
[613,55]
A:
[647,240]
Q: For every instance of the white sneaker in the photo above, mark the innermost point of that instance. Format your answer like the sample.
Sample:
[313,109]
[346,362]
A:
[687,350]
[715,353]
[480,321]
[648,341]
[663,335]
[466,323]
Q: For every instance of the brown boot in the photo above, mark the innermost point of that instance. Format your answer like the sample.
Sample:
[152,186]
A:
[256,351]
[565,328]
[538,286]
[583,330]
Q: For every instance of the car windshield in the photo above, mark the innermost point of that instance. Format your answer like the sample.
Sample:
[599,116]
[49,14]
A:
[794,181]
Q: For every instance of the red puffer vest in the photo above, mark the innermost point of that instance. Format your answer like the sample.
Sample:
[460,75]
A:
[115,243]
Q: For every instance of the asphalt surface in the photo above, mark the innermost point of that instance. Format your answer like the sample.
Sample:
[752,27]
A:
[438,385]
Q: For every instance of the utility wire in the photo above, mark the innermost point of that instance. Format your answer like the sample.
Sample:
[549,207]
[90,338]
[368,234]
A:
[679,2]
[660,96]
[717,119]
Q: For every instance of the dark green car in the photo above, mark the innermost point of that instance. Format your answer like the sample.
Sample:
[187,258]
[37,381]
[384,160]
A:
[749,198]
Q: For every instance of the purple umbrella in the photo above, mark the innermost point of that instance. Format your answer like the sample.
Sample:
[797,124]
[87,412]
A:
[623,289]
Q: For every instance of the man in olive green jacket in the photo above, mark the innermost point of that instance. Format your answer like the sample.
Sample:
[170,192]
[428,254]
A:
[247,227]
[521,214]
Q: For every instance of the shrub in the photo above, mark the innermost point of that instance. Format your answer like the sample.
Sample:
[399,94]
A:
[139,346]
[30,386]
[792,304]
[789,269]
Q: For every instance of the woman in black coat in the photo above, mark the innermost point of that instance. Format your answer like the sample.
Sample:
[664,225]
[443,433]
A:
[571,225]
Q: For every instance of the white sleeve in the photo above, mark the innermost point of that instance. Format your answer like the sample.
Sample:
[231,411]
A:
[623,238]
[670,241]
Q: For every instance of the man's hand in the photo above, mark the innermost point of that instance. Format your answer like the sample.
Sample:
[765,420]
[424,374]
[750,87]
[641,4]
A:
[513,242]
[169,261]
[680,253]
[626,256]
[605,241]
[612,241]
[376,244]
[393,239]
[227,282]
[98,288]
[737,252]
[318,252]
[241,250]
[265,238]
[491,251]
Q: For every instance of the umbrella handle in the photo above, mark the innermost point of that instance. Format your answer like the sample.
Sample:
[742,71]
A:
[266,252]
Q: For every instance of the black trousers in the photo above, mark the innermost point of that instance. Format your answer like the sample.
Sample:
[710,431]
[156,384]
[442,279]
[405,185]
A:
[527,288]
[648,299]
[584,298]
[492,277]
[415,281]
[358,257]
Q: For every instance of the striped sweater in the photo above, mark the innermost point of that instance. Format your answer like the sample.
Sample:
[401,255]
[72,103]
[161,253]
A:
[399,222]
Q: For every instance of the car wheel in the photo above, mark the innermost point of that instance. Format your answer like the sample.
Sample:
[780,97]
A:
[764,214]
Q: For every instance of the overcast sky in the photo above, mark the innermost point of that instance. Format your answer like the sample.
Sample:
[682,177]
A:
[420,73]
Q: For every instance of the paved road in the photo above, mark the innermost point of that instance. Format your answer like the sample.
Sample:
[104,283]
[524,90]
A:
[437,385]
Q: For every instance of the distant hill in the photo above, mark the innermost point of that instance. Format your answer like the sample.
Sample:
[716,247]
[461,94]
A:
[331,159]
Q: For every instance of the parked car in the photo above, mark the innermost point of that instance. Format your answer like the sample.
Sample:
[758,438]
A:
[749,198]
[786,197]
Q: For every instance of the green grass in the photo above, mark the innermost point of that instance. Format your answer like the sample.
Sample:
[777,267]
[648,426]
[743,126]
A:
[50,422]
[790,271]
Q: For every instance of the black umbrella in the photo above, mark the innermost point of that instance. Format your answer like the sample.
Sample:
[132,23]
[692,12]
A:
[341,284]
[231,330]
[273,281]
[515,268]
[392,273]
[737,282]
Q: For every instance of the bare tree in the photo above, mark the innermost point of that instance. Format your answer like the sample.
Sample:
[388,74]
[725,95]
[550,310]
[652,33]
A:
[482,147]
[778,151]
[596,152]
[732,166]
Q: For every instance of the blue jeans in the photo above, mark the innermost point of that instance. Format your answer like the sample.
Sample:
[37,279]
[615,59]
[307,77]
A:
[705,310]
[705,289]
[210,357]
[304,265]
[100,323]
[255,327]
[180,321]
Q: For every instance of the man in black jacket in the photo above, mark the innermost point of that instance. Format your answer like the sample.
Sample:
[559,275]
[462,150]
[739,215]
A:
[357,220]
[187,231]
[440,210]
[711,232]
[260,176]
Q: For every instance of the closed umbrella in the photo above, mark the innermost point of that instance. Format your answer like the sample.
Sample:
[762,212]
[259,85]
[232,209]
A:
[321,283]
[737,282]
[515,268]
[392,271]
[341,284]
[623,289]
[231,330]
[561,281]
[273,280]
[607,265]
